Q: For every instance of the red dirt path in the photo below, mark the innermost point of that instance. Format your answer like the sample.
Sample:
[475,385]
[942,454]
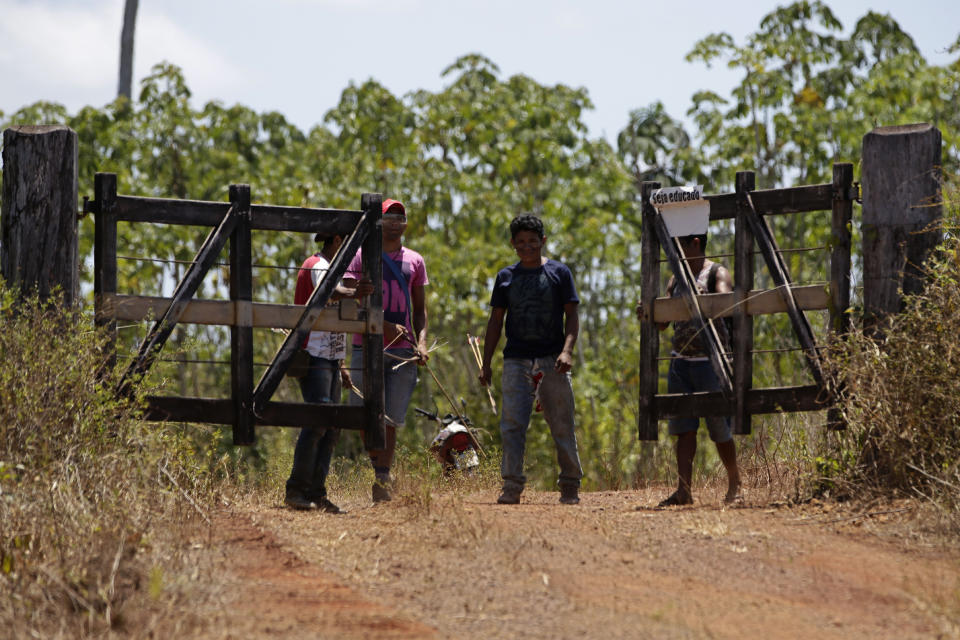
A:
[450,564]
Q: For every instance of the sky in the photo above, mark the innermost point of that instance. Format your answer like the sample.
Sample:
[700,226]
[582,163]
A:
[297,56]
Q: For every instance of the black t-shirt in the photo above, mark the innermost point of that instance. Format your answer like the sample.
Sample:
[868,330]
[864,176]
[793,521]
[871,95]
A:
[534,300]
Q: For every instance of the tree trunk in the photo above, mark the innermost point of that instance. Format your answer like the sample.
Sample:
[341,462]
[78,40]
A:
[125,87]
[38,222]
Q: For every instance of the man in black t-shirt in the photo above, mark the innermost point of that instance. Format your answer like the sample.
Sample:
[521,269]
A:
[539,301]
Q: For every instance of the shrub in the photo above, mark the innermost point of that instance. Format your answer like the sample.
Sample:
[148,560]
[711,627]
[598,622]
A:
[902,398]
[84,484]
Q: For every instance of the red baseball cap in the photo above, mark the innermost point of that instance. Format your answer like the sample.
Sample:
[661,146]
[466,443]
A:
[394,206]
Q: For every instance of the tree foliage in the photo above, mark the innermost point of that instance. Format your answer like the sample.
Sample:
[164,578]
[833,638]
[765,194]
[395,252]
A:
[808,94]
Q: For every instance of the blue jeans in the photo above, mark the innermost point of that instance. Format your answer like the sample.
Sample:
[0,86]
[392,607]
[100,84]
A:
[556,398]
[311,456]
[398,385]
[690,376]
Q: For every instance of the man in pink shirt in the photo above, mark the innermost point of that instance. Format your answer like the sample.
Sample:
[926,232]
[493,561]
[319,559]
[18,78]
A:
[404,333]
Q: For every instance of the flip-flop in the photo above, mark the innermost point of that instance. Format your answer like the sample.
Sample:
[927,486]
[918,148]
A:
[674,500]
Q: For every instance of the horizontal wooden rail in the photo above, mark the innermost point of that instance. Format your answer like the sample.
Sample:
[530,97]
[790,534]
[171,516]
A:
[759,302]
[347,317]
[772,400]
[274,414]
[263,217]
[814,197]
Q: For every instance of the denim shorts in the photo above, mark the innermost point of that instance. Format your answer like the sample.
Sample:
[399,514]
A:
[398,385]
[689,376]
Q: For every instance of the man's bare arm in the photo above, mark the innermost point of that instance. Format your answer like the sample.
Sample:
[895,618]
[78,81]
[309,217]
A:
[490,340]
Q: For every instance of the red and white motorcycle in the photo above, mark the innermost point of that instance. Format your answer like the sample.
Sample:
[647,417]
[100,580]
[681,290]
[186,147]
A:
[456,445]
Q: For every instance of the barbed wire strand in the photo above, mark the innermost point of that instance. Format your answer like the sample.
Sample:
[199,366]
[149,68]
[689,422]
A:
[755,252]
[215,264]
[752,351]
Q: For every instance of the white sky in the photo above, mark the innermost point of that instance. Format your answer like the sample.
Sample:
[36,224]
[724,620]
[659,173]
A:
[296,56]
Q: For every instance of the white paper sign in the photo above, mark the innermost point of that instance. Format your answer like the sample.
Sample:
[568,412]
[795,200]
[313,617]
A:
[684,210]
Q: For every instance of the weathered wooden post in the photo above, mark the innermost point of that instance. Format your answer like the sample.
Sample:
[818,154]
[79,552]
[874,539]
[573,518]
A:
[241,333]
[746,181]
[105,260]
[647,426]
[840,240]
[901,208]
[844,193]
[373,399]
[38,231]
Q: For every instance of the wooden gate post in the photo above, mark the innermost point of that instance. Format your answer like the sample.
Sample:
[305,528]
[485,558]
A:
[38,232]
[844,194]
[649,335]
[840,240]
[746,181]
[241,332]
[374,436]
[105,260]
[901,209]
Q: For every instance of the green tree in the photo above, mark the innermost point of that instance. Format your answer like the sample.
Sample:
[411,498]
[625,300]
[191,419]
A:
[808,95]
[467,158]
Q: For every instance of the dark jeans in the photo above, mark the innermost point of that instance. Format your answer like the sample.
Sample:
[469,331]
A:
[311,457]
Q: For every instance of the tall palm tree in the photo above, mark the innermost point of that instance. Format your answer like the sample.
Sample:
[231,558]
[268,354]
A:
[126,48]
[654,146]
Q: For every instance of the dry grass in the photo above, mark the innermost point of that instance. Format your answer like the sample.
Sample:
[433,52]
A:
[96,506]
[902,403]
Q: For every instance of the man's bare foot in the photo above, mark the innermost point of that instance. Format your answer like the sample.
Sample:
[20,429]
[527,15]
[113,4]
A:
[676,499]
[734,495]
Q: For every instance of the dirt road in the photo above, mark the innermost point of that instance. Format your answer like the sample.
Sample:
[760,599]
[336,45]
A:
[453,564]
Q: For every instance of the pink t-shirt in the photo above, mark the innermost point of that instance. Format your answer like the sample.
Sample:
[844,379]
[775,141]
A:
[414,271]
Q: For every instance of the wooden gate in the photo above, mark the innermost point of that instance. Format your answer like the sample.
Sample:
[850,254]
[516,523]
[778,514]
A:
[749,208]
[234,220]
